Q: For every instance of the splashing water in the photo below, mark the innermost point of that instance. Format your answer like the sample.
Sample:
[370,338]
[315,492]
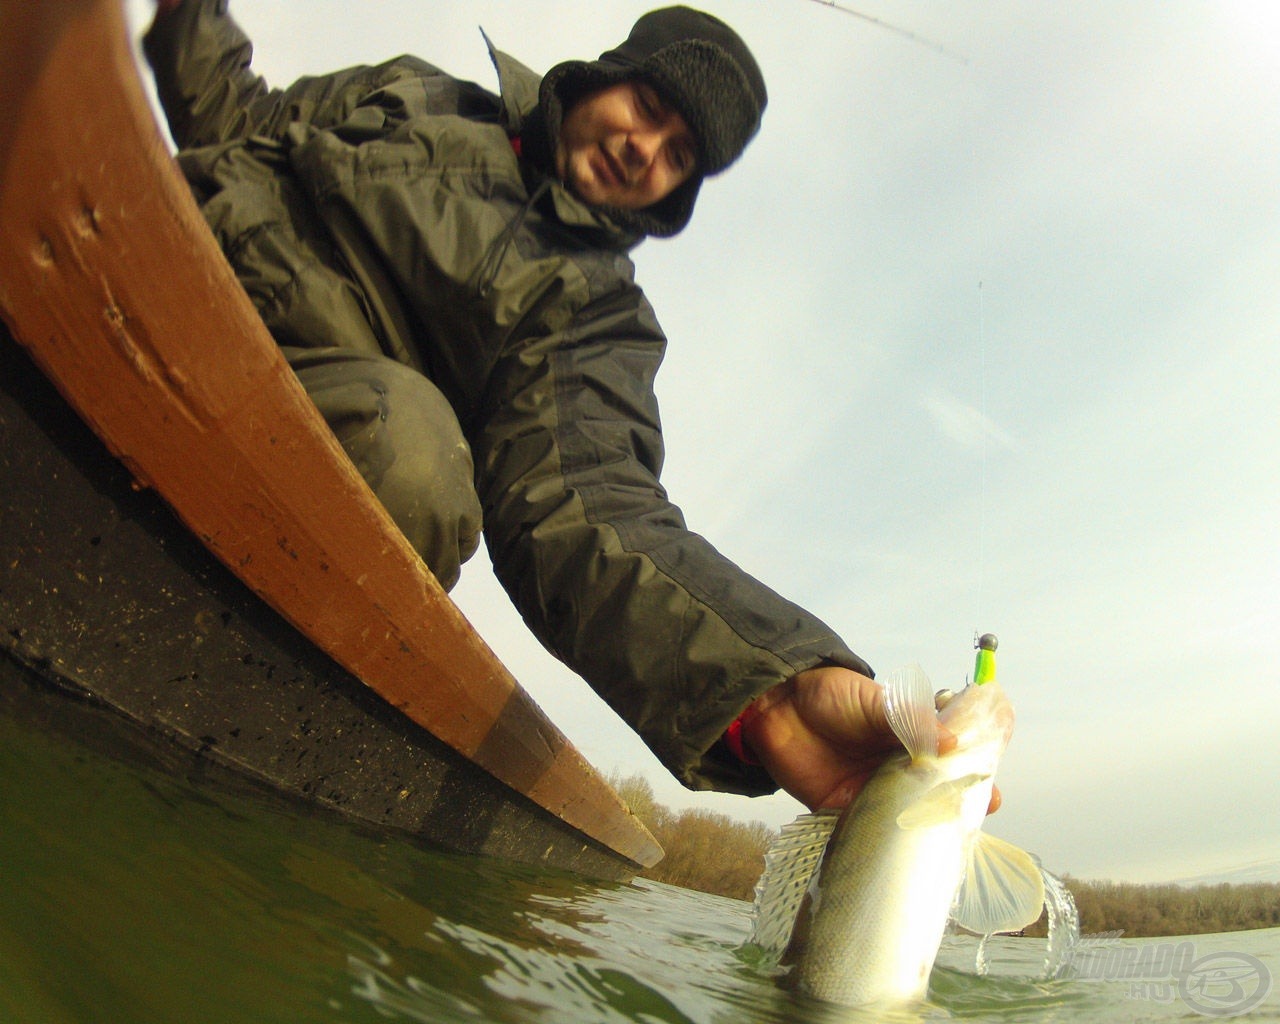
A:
[1064,925]
[980,964]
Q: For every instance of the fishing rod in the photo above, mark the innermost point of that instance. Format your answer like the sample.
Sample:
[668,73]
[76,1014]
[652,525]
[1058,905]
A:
[895,29]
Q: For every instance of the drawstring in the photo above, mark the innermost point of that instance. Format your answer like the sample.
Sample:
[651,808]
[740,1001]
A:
[488,270]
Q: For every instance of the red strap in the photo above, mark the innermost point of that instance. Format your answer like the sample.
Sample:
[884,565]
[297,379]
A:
[517,143]
[733,737]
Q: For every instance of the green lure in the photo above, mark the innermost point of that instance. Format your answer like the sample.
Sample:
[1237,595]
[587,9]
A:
[984,666]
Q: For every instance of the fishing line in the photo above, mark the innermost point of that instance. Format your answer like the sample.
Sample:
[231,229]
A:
[895,29]
[986,434]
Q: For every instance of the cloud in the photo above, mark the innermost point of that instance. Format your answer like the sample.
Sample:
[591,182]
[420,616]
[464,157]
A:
[965,424]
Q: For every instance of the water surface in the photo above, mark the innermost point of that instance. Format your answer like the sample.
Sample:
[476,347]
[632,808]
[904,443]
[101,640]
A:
[134,894]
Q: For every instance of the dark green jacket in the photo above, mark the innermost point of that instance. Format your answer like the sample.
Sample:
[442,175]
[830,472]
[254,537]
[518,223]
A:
[384,208]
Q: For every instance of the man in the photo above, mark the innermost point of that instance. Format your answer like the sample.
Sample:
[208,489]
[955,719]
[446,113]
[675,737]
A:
[446,271]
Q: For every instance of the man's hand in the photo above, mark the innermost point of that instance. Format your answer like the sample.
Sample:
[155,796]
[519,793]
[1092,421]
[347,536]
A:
[823,733]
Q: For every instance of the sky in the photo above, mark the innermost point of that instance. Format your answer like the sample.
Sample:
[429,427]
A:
[985,340]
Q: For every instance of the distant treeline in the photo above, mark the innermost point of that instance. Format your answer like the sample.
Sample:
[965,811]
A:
[1140,910]
[705,851]
[713,853]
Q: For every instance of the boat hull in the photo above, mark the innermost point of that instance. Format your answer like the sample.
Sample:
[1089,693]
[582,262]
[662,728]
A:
[107,600]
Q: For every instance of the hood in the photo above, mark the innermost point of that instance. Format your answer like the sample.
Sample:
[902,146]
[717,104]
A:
[696,62]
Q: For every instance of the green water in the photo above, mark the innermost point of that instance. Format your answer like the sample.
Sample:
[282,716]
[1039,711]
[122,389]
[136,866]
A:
[131,894]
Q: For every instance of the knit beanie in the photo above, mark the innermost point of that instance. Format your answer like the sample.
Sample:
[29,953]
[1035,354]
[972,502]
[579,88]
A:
[700,66]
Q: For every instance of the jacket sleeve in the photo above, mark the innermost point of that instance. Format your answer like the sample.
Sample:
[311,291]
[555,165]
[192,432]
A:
[600,563]
[202,61]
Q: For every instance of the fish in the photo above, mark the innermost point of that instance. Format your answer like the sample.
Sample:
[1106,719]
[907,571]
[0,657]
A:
[853,904]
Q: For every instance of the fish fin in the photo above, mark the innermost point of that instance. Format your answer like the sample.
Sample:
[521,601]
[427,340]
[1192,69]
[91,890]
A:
[789,866]
[1003,888]
[940,804]
[908,704]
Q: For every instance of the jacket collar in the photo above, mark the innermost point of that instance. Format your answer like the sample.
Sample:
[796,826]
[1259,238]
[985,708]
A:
[517,87]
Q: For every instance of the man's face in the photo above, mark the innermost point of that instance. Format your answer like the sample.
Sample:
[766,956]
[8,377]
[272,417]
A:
[625,147]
